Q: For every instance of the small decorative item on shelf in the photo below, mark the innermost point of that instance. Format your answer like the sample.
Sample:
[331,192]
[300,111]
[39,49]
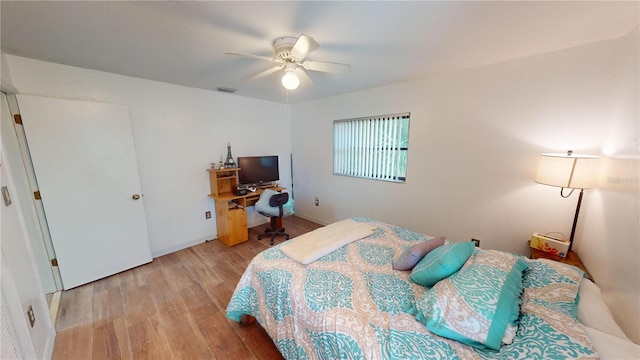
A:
[229,163]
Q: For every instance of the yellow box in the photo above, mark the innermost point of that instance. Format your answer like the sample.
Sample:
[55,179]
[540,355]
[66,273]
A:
[548,244]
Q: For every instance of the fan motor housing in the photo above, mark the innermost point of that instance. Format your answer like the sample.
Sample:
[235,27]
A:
[282,46]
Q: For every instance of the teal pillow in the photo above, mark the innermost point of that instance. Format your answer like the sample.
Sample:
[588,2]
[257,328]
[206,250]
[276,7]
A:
[441,263]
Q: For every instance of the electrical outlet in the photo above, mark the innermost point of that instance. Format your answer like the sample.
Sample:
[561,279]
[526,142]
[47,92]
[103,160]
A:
[207,214]
[317,201]
[31,315]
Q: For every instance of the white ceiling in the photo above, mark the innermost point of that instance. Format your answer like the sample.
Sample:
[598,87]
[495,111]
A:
[385,42]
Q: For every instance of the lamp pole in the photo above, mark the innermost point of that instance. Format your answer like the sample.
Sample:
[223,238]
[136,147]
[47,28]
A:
[575,220]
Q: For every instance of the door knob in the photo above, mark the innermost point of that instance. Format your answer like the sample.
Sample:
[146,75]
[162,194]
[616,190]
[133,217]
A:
[135,197]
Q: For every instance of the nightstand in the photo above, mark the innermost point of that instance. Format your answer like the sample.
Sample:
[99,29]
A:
[571,259]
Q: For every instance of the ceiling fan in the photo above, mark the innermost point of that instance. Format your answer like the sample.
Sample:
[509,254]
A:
[290,54]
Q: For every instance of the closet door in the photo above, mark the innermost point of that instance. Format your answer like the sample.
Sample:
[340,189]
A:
[85,165]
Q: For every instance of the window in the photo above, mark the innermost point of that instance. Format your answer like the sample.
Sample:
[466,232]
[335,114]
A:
[372,147]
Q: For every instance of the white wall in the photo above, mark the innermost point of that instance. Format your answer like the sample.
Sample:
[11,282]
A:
[474,140]
[178,132]
[611,241]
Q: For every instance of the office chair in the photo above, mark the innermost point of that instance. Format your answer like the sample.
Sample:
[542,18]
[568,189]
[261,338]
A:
[276,200]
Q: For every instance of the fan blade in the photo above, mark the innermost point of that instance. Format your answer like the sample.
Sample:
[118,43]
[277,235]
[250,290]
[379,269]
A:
[266,72]
[254,56]
[335,68]
[304,78]
[303,47]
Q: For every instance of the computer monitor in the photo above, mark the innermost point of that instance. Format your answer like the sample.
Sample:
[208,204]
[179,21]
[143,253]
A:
[256,170]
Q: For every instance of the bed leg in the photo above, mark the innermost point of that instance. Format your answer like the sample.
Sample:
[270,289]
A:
[247,319]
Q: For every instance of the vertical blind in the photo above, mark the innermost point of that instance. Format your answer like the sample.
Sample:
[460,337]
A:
[372,147]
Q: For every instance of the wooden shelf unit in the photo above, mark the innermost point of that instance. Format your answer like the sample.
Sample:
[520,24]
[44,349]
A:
[231,210]
[222,181]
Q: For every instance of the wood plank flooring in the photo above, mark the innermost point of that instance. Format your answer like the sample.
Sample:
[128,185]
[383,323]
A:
[171,308]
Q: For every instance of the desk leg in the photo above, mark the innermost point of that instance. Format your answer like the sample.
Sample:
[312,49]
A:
[279,223]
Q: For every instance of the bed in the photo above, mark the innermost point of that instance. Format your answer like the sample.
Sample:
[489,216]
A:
[351,304]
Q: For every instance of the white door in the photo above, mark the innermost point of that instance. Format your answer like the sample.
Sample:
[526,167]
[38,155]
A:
[87,174]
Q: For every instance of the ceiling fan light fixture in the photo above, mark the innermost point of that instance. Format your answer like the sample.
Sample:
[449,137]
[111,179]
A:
[290,80]
[290,53]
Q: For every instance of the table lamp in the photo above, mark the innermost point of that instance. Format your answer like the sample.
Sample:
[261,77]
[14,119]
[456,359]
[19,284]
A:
[571,171]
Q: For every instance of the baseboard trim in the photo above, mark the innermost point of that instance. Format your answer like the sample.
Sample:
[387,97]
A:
[311,218]
[54,306]
[155,254]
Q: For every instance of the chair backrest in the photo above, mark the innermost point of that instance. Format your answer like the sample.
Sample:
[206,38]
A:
[279,199]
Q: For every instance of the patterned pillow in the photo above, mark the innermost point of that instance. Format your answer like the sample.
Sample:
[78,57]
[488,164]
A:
[441,263]
[410,257]
[553,284]
[548,313]
[477,305]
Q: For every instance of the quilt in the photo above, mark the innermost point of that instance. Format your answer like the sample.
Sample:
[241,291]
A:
[351,304]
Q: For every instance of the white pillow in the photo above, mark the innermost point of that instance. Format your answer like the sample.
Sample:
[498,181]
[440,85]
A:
[610,347]
[594,313]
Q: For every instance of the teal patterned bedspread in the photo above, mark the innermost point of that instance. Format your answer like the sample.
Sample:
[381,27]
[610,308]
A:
[351,304]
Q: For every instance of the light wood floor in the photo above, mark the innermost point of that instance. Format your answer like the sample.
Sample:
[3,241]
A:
[171,308]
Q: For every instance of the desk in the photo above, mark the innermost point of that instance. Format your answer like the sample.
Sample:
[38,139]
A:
[231,209]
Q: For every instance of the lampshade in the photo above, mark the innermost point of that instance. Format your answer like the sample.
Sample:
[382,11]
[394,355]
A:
[290,80]
[569,170]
